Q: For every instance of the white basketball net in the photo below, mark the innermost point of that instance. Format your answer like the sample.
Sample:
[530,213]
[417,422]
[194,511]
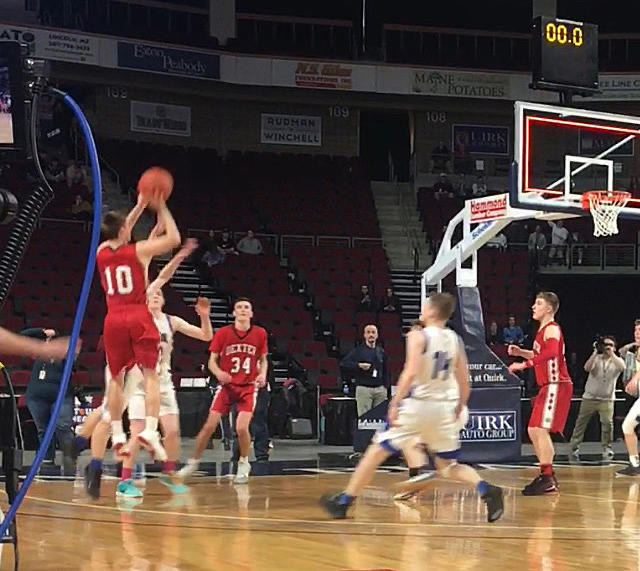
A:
[605,207]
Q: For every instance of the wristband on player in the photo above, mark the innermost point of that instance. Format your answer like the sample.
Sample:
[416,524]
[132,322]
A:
[528,364]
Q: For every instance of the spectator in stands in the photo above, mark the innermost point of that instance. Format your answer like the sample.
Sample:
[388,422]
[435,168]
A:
[440,157]
[390,303]
[559,238]
[213,255]
[42,392]
[443,186]
[75,175]
[536,245]
[499,242]
[512,333]
[54,172]
[365,301]
[250,244]
[226,245]
[577,246]
[479,188]
[460,186]
[367,364]
[493,334]
[81,209]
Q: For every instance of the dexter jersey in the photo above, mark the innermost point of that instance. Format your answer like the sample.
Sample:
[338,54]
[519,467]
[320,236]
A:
[555,369]
[240,352]
[122,275]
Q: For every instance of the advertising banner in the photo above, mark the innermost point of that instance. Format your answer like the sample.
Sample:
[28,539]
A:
[159,59]
[276,129]
[323,75]
[480,139]
[55,44]
[488,208]
[461,83]
[160,118]
[593,143]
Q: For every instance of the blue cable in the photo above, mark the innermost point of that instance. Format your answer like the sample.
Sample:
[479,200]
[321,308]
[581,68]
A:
[82,304]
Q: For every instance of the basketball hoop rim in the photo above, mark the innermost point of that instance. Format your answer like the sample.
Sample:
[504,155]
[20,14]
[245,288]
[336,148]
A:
[619,196]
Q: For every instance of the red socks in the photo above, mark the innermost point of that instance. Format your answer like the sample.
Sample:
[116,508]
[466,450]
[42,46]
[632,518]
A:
[546,469]
[126,474]
[169,466]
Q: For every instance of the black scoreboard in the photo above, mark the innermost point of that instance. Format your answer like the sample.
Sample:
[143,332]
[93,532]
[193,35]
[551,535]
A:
[564,55]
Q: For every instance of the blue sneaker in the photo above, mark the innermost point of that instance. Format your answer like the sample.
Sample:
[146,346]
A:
[173,484]
[126,489]
[92,477]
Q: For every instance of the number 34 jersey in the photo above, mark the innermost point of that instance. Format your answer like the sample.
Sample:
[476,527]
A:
[436,378]
[240,352]
[122,275]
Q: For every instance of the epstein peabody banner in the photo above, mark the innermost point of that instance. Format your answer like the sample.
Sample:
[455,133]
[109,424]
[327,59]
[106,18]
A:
[278,129]
[172,61]
[160,118]
[480,139]
[461,83]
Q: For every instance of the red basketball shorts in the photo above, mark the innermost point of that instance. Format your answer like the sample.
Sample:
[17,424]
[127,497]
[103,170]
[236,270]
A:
[551,407]
[130,338]
[243,396]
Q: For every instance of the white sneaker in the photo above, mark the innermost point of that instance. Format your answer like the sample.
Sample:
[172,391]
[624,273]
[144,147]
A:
[242,475]
[188,469]
[150,440]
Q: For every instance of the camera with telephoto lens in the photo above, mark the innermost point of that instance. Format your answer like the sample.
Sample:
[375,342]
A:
[599,344]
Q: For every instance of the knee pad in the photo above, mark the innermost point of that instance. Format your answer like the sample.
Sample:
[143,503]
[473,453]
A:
[629,424]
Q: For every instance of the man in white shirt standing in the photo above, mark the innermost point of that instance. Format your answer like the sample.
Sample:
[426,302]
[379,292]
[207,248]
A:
[559,237]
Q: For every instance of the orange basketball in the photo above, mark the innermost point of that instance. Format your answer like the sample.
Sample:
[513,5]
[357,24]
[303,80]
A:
[156,182]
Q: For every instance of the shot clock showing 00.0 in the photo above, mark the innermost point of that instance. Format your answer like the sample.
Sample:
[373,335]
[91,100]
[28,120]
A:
[564,34]
[564,55]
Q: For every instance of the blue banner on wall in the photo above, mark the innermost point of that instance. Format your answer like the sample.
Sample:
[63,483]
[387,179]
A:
[168,60]
[480,139]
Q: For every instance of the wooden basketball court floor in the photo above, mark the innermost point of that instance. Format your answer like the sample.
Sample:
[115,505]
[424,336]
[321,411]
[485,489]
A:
[275,522]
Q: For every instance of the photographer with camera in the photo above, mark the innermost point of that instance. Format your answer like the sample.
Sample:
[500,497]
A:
[604,368]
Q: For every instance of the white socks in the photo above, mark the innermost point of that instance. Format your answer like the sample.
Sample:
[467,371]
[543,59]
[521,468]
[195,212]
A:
[116,427]
[244,459]
[152,423]
[634,461]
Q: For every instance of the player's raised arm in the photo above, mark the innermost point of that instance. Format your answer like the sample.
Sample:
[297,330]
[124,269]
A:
[167,272]
[205,331]
[135,213]
[164,243]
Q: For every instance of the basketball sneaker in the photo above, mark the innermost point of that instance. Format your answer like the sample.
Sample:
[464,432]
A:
[541,485]
[242,475]
[495,504]
[92,477]
[335,505]
[126,489]
[408,495]
[574,455]
[188,469]
[150,440]
[630,470]
[174,483]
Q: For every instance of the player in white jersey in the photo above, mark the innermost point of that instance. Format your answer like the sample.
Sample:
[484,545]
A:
[167,325]
[429,405]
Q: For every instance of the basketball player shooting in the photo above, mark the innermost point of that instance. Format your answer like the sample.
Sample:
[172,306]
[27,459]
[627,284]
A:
[552,403]
[239,361]
[130,333]
[436,377]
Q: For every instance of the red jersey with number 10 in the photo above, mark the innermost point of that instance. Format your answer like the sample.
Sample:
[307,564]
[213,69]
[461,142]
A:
[239,352]
[122,275]
[555,369]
